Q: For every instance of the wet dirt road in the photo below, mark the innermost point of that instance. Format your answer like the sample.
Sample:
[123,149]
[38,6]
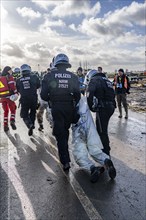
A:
[34,187]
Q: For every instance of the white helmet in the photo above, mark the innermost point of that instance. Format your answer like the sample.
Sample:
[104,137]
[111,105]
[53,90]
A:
[25,67]
[89,75]
[14,97]
[62,59]
[16,70]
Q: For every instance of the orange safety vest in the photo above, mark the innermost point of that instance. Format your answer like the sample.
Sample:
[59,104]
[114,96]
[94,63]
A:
[4,88]
[125,82]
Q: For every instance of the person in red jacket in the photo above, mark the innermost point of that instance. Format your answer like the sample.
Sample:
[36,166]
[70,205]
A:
[8,96]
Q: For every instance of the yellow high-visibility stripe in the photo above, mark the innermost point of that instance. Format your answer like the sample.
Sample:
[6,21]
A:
[1,85]
[3,93]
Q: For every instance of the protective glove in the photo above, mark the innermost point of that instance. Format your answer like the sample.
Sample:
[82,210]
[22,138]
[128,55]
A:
[14,97]
[95,105]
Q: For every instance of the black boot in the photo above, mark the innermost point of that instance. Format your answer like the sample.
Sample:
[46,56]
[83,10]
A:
[12,123]
[110,167]
[126,111]
[41,127]
[120,111]
[95,173]
[66,166]
[6,128]
[30,131]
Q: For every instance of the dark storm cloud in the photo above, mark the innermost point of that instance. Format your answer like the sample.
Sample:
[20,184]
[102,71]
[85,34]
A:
[38,49]
[12,49]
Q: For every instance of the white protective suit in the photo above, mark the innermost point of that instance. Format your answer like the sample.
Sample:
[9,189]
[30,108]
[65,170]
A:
[85,139]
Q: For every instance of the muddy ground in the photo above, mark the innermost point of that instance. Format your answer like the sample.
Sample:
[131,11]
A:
[137,97]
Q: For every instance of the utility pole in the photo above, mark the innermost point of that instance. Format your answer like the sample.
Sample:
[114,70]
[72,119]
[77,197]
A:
[38,68]
[86,65]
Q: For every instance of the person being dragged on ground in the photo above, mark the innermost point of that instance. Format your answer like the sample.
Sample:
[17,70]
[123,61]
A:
[87,144]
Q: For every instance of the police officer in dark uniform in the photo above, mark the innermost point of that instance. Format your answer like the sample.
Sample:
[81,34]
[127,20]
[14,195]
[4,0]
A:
[27,86]
[61,89]
[101,99]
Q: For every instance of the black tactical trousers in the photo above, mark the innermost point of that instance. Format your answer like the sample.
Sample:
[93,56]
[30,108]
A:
[28,110]
[102,121]
[62,113]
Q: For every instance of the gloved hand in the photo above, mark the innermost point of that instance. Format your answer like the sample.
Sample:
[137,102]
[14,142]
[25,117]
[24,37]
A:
[14,97]
[95,107]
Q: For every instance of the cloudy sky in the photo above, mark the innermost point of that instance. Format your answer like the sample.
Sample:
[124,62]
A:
[107,33]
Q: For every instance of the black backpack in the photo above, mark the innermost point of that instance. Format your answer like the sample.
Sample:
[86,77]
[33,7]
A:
[109,93]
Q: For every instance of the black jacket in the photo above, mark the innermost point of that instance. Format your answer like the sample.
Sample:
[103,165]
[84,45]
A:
[27,85]
[101,88]
[60,86]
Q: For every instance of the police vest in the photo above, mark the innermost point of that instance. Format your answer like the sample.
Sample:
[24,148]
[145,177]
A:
[60,86]
[27,85]
[107,92]
[4,88]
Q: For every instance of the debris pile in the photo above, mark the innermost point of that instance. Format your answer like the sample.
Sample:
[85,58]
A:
[137,97]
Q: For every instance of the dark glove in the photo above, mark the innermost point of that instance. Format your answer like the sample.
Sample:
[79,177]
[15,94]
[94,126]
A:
[38,105]
[95,107]
[128,92]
